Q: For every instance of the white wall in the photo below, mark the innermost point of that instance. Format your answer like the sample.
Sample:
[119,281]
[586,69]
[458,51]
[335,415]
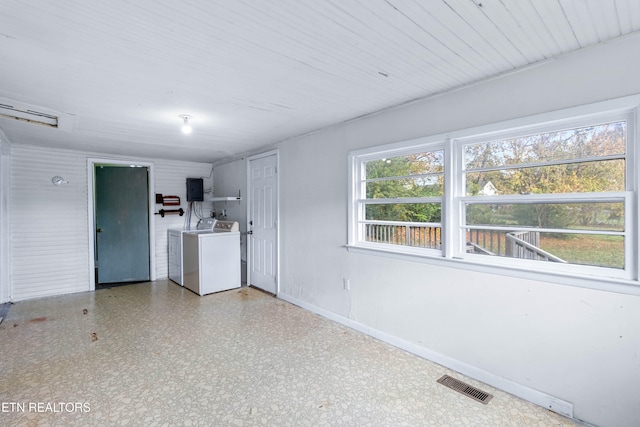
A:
[228,179]
[5,191]
[49,224]
[575,344]
[170,179]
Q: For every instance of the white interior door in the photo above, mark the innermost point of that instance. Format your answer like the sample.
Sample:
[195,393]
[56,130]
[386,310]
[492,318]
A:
[263,222]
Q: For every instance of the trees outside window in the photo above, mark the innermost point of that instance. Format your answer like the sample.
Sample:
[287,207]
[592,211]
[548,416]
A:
[588,160]
[402,203]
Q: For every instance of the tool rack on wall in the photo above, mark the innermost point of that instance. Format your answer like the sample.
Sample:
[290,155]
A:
[169,201]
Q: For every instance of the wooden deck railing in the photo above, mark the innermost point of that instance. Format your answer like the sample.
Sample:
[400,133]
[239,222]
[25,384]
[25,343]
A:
[514,244]
[414,234]
[525,244]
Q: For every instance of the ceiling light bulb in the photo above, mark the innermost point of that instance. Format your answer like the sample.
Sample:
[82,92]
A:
[186,127]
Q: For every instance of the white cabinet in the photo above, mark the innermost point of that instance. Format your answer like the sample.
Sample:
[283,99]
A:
[175,256]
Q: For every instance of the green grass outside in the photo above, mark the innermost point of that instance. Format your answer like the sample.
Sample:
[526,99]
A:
[599,250]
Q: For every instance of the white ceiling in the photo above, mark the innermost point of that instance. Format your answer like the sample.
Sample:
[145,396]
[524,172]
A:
[255,72]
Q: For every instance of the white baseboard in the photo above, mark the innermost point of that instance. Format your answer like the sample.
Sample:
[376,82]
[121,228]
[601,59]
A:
[534,396]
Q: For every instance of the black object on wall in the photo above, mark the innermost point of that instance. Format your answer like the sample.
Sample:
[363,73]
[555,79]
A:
[195,190]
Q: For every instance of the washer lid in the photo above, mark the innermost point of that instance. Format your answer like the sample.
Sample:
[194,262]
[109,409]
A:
[206,224]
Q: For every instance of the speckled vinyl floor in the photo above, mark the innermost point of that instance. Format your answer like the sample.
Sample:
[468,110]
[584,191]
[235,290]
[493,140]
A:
[155,354]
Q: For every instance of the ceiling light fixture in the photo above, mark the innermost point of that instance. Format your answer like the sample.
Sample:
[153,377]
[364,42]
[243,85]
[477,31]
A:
[186,127]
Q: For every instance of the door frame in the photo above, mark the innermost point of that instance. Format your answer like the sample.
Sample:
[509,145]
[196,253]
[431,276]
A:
[250,201]
[91,164]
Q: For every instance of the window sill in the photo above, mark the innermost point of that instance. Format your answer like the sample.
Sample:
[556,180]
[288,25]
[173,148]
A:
[622,286]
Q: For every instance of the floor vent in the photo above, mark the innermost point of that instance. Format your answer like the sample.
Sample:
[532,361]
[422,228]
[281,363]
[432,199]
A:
[466,389]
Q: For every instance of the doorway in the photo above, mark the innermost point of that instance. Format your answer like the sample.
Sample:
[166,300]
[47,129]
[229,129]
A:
[262,217]
[120,222]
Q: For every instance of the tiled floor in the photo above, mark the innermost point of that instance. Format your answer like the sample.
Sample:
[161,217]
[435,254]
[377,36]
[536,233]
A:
[156,354]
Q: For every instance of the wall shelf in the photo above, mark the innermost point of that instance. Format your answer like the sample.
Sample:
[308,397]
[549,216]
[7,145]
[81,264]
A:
[224,199]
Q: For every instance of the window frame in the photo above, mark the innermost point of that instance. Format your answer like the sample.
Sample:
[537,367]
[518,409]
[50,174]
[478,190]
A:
[454,199]
[359,200]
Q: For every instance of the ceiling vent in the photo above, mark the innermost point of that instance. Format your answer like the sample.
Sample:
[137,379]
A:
[40,116]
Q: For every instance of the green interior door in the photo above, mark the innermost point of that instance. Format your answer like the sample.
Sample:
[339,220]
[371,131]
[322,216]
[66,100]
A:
[122,224]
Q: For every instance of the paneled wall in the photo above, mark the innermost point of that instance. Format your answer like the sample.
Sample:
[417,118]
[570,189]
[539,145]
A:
[50,226]
[228,179]
[170,179]
[49,237]
[5,191]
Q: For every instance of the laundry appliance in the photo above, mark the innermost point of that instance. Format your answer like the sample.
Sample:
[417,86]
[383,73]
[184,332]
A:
[211,258]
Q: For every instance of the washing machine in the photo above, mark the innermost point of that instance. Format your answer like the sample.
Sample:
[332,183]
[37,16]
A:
[175,247]
[211,258]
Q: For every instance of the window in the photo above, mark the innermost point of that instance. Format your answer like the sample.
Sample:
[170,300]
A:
[541,195]
[400,199]
[557,196]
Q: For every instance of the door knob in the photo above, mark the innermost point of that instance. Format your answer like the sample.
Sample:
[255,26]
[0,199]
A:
[99,230]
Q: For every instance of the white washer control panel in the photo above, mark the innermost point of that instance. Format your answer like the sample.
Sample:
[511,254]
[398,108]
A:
[229,226]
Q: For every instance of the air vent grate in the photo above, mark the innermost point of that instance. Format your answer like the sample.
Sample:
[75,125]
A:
[26,115]
[466,389]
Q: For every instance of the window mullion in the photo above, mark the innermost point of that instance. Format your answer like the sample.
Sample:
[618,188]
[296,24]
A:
[362,193]
[396,178]
[611,196]
[401,200]
[548,163]
[632,203]
[450,209]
